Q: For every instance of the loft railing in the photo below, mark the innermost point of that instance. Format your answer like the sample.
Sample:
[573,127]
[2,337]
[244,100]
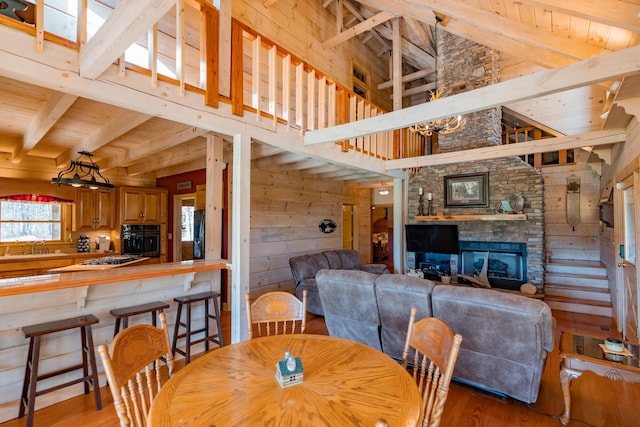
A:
[537,160]
[265,78]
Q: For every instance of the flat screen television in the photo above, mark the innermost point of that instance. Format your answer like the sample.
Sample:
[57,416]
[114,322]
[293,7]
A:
[436,238]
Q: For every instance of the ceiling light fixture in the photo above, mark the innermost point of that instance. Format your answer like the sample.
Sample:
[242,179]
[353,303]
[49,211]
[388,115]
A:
[383,191]
[440,126]
[83,175]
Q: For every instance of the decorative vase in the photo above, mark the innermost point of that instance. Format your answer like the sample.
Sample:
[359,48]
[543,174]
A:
[518,203]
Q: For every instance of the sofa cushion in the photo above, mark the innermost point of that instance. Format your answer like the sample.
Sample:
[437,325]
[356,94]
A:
[505,337]
[344,259]
[396,294]
[349,304]
[306,266]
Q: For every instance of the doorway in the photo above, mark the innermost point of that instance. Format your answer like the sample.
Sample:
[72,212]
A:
[382,234]
[183,215]
[627,279]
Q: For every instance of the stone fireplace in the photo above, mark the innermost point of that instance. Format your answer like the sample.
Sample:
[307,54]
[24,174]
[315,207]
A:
[466,65]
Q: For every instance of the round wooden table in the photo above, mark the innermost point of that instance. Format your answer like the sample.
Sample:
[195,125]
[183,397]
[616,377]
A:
[345,384]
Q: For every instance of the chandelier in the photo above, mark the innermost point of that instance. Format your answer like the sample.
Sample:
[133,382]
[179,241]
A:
[440,126]
[83,175]
[383,191]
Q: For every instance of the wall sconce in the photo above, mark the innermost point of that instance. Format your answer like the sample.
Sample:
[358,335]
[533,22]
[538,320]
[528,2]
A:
[573,202]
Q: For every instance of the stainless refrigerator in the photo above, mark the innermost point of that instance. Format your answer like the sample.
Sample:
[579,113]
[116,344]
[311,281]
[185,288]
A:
[198,234]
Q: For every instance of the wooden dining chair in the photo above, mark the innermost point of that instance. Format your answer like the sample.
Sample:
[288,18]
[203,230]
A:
[435,351]
[133,365]
[276,313]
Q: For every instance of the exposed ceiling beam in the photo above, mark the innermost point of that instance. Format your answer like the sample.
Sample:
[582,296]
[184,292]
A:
[187,152]
[114,128]
[604,67]
[618,13]
[279,159]
[407,78]
[421,34]
[54,108]
[484,36]
[530,147]
[541,39]
[166,141]
[129,21]
[357,29]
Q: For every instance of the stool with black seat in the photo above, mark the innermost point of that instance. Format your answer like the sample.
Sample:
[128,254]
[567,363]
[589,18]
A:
[88,365]
[189,300]
[122,314]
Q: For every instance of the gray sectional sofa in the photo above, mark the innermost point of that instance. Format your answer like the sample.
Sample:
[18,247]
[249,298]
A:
[505,337]
[305,267]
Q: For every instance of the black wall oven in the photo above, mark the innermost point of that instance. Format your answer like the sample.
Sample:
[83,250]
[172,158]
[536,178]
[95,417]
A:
[139,239]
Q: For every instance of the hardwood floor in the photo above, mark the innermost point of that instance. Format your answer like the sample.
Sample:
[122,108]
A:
[595,401]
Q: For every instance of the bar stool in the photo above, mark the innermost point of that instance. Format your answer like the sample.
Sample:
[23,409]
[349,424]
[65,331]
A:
[189,300]
[31,377]
[123,314]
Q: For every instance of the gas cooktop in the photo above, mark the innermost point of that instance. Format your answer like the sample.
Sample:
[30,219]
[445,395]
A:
[114,259]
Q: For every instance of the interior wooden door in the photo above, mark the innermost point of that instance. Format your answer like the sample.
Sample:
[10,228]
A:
[628,242]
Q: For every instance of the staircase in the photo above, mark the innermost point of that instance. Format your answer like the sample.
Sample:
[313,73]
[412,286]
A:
[578,286]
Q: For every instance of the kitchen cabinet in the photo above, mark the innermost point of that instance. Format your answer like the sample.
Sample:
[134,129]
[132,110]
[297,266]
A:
[140,205]
[94,210]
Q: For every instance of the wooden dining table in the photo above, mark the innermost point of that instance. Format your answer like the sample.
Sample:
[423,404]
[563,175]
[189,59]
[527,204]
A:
[345,383]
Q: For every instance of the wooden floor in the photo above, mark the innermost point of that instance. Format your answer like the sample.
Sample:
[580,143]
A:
[595,401]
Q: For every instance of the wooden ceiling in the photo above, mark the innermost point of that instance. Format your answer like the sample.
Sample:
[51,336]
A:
[40,127]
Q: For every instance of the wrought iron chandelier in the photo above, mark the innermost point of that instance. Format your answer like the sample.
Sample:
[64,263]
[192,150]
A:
[81,174]
[440,126]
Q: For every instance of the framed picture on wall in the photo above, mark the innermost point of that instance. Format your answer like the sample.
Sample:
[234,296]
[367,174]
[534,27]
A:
[468,190]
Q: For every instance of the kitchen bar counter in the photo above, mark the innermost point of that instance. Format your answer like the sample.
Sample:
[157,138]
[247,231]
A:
[66,280]
[30,300]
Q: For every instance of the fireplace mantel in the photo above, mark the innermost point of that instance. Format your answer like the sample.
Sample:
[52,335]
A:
[496,217]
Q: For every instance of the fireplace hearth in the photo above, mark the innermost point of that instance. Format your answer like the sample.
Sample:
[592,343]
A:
[507,262]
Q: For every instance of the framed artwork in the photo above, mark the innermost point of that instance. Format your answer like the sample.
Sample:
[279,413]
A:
[468,190]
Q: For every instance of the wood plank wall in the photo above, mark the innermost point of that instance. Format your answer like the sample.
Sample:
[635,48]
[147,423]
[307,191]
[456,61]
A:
[286,209]
[561,240]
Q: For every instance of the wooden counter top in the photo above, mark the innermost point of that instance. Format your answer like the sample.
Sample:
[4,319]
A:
[49,282]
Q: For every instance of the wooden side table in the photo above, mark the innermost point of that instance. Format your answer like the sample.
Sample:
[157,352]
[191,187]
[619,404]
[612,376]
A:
[582,353]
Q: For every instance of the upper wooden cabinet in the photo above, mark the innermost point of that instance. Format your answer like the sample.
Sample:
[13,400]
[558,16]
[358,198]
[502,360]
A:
[94,210]
[142,205]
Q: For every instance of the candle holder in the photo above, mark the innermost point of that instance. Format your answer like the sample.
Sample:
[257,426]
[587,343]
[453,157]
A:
[429,208]
[420,205]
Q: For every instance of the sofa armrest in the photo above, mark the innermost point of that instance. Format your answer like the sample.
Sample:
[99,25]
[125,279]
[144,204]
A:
[375,268]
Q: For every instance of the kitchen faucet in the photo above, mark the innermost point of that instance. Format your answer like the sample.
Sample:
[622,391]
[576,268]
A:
[33,246]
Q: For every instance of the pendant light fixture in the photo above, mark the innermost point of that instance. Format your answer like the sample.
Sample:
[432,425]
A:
[81,174]
[440,126]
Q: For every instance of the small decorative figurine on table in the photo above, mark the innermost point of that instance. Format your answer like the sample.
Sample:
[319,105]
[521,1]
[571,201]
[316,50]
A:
[289,370]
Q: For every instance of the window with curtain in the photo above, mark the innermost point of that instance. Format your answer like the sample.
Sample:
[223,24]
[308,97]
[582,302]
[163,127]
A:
[30,217]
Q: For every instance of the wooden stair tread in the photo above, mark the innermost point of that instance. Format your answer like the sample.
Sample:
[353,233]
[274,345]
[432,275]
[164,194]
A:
[577,263]
[576,288]
[578,275]
[556,298]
